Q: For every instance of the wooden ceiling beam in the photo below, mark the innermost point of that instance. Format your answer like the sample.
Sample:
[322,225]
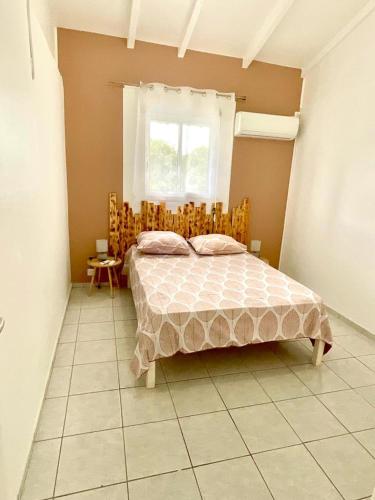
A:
[271,22]
[134,18]
[190,27]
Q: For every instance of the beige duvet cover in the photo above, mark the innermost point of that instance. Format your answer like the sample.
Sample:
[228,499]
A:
[190,303]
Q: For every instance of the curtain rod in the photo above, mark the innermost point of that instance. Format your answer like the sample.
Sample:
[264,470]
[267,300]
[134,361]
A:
[218,94]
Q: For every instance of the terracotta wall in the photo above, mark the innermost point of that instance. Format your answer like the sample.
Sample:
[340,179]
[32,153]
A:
[93,115]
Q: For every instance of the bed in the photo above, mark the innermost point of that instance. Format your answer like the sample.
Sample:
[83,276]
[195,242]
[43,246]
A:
[192,303]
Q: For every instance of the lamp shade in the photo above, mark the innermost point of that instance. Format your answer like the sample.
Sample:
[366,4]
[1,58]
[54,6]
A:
[101,246]
[255,245]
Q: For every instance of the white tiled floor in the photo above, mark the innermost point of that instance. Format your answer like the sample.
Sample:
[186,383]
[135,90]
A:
[255,423]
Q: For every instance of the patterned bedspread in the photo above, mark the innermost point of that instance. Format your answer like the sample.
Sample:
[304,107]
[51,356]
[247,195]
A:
[192,303]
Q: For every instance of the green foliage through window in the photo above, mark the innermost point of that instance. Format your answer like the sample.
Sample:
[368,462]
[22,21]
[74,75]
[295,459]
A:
[179,158]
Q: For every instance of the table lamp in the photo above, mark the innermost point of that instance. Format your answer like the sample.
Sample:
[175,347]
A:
[102,249]
[255,247]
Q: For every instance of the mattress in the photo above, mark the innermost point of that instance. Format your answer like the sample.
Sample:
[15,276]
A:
[190,303]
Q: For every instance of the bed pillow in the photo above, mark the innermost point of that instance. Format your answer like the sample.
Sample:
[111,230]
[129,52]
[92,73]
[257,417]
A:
[162,242]
[216,244]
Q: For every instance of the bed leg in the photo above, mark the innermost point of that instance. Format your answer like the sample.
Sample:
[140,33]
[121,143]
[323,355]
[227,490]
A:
[150,376]
[318,352]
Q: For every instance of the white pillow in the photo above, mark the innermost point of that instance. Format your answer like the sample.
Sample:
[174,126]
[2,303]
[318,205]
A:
[162,242]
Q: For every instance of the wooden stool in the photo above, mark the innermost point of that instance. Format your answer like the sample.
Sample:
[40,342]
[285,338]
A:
[111,268]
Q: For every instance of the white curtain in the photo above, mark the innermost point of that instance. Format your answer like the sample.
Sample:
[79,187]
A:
[178,147]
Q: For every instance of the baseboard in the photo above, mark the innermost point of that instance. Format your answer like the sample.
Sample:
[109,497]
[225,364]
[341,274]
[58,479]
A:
[80,285]
[351,323]
[87,284]
[44,395]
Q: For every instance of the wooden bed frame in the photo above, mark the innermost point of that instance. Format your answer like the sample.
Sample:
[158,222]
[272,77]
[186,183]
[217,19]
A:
[189,220]
[317,359]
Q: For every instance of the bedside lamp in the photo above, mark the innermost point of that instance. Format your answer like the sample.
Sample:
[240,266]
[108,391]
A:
[255,247]
[102,249]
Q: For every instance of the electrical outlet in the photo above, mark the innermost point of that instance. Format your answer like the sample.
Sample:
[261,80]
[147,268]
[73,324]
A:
[90,272]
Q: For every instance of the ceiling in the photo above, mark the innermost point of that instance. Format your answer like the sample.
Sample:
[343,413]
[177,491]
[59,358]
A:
[284,32]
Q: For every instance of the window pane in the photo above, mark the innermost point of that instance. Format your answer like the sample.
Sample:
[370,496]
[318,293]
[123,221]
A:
[195,158]
[163,175]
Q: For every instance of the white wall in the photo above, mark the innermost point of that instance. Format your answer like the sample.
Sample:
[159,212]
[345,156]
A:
[329,236]
[43,11]
[34,252]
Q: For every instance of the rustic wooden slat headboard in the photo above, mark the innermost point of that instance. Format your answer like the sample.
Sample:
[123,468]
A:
[189,220]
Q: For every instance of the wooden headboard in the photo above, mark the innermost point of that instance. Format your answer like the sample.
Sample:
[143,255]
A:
[189,220]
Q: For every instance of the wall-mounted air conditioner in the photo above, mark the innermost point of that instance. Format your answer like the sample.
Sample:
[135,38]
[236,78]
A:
[263,126]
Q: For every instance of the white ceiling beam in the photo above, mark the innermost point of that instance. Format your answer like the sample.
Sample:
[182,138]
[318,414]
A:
[190,27]
[134,17]
[343,33]
[268,27]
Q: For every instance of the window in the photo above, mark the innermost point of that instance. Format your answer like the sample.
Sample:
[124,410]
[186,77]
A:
[178,160]
[177,145]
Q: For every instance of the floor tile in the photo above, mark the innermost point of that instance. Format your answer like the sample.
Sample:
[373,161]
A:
[96,315]
[41,473]
[125,348]
[336,352]
[91,460]
[128,379]
[261,357]
[68,333]
[126,328]
[51,419]
[74,303]
[357,345]
[368,393]
[154,448]
[367,440]
[72,316]
[224,361]
[281,383]
[95,351]
[232,480]
[94,300]
[179,485]
[212,437]
[340,327]
[96,411]
[123,300]
[59,382]
[310,419]
[240,389]
[78,292]
[141,405]
[319,379]
[183,367]
[115,492]
[292,352]
[96,331]
[124,312]
[369,361]
[192,397]
[263,427]
[355,413]
[347,464]
[64,354]
[292,473]
[94,377]
[352,371]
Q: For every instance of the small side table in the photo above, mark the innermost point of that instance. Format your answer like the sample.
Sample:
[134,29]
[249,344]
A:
[111,268]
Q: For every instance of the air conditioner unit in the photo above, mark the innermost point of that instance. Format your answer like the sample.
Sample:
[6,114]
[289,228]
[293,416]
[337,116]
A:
[263,126]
